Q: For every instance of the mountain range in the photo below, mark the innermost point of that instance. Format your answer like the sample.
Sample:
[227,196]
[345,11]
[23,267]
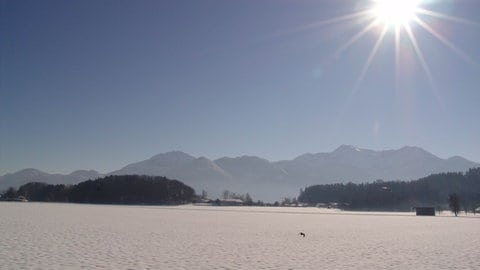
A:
[266,180]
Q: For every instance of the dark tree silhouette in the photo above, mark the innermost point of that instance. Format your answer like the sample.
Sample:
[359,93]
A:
[10,193]
[42,192]
[454,203]
[132,189]
[398,195]
[114,189]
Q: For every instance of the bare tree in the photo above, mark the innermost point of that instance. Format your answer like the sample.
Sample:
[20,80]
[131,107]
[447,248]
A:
[248,199]
[204,194]
[465,207]
[473,208]
[286,201]
[226,194]
[454,203]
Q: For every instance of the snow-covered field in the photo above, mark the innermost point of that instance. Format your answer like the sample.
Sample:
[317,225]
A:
[75,236]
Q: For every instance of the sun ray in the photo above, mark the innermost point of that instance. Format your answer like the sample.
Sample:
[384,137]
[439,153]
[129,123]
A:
[446,17]
[371,56]
[365,68]
[364,14]
[419,54]
[397,57]
[423,63]
[367,64]
[444,40]
[347,17]
[355,38]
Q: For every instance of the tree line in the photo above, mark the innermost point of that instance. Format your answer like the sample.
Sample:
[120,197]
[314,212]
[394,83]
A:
[436,190]
[113,189]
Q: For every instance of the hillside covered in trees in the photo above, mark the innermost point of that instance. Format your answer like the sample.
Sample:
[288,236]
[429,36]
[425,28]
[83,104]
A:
[114,189]
[433,190]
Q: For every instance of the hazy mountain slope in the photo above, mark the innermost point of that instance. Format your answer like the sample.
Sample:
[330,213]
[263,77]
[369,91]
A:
[160,164]
[33,175]
[203,174]
[351,164]
[251,169]
[199,173]
[267,180]
[257,176]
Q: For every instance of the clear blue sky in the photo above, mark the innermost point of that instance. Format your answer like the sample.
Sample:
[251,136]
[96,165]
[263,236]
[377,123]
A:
[92,84]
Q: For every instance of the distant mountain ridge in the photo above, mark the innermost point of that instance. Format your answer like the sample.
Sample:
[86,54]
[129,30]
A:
[268,180]
[24,176]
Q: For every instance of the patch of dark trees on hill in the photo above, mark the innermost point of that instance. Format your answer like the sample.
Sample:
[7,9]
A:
[114,189]
[433,190]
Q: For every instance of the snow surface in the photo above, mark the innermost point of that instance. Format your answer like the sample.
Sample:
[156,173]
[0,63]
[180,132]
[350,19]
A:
[75,236]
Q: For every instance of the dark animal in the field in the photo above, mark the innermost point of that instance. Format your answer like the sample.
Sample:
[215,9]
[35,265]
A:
[302,234]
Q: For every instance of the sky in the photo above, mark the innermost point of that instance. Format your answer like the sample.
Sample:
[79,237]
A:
[97,84]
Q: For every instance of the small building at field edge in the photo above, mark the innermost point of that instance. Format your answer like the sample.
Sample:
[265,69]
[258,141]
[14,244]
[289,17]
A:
[425,211]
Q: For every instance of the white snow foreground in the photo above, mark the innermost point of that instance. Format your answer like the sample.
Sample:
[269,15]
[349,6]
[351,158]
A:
[75,236]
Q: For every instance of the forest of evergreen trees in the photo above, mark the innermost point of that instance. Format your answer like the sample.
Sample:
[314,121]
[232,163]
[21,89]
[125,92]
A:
[433,190]
[114,189]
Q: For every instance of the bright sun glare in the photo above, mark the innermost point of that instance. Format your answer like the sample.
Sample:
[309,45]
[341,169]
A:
[395,12]
[405,19]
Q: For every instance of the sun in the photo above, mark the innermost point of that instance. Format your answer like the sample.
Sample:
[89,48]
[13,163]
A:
[406,20]
[395,12]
